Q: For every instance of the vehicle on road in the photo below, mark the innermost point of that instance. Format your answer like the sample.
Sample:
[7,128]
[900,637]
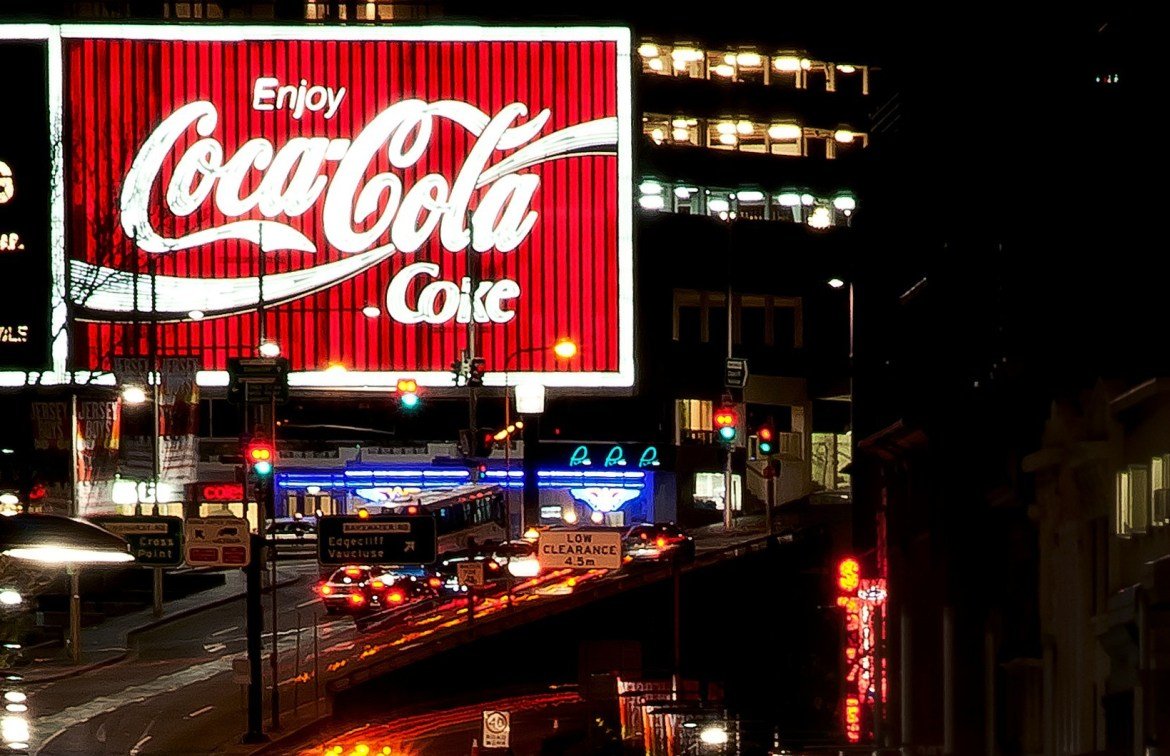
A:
[657,542]
[293,530]
[518,558]
[417,574]
[448,566]
[363,589]
[464,515]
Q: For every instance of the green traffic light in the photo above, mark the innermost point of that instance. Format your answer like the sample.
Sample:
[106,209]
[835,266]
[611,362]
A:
[262,468]
[727,433]
[409,401]
[765,448]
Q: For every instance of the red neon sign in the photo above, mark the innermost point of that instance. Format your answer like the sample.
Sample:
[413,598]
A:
[862,600]
[221,492]
[215,174]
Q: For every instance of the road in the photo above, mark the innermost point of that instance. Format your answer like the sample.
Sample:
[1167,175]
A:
[177,693]
[534,718]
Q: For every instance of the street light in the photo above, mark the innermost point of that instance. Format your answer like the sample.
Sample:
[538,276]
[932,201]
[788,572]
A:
[563,349]
[133,395]
[53,539]
[268,348]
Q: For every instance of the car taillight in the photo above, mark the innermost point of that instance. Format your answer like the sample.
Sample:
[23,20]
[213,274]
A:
[643,536]
[326,590]
[661,542]
[378,585]
[357,599]
[396,597]
[434,582]
[493,565]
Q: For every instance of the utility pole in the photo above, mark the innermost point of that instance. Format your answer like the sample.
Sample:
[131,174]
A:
[473,277]
[727,479]
[270,509]
[255,620]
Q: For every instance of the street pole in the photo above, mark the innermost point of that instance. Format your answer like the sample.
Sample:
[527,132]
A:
[74,613]
[157,582]
[770,497]
[676,576]
[727,482]
[75,455]
[255,621]
[270,506]
[473,279]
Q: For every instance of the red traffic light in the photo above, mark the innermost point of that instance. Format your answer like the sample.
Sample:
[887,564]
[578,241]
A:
[726,417]
[765,433]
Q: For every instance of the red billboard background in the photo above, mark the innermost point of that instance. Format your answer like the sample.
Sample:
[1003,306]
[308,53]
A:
[119,92]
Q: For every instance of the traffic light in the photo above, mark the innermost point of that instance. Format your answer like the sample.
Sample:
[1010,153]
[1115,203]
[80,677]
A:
[408,393]
[475,370]
[259,457]
[766,439]
[726,419]
[485,442]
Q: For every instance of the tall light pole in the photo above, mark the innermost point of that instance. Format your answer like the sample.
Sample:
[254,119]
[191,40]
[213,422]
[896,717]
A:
[564,349]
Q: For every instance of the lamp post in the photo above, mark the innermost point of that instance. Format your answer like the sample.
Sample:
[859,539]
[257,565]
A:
[53,539]
[563,349]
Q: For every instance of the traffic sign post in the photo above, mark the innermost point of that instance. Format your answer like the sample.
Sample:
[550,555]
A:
[470,574]
[217,542]
[383,539]
[580,549]
[155,541]
[257,380]
[736,374]
[497,729]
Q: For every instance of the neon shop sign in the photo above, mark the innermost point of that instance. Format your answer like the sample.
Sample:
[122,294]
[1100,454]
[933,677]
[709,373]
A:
[615,456]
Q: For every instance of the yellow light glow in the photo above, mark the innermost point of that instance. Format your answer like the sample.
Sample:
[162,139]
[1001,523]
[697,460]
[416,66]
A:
[335,368]
[749,59]
[565,349]
[786,63]
[784,131]
[648,50]
[844,136]
[656,64]
[845,68]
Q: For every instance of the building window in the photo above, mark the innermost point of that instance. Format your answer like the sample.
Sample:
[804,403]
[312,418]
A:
[368,10]
[657,128]
[773,321]
[197,10]
[100,9]
[711,491]
[1160,491]
[1131,501]
[831,452]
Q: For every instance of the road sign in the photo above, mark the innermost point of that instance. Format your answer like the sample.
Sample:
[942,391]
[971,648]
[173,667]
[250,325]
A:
[217,542]
[470,574]
[580,549]
[257,380]
[382,539]
[155,541]
[497,729]
[737,373]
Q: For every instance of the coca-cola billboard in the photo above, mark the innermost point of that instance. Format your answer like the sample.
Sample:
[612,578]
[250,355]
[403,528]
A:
[366,192]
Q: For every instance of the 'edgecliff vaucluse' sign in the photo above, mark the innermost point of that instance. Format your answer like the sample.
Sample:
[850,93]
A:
[370,191]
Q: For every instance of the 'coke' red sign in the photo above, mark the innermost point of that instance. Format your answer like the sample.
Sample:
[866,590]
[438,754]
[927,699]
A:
[366,196]
[225,492]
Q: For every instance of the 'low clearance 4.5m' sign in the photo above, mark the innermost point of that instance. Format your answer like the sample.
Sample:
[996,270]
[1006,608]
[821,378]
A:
[368,192]
[580,549]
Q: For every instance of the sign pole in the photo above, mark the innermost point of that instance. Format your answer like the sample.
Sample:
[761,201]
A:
[270,508]
[255,619]
[74,613]
[158,591]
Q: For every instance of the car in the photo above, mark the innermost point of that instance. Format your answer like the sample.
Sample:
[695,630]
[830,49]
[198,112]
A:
[362,589]
[293,530]
[518,558]
[417,574]
[448,566]
[657,542]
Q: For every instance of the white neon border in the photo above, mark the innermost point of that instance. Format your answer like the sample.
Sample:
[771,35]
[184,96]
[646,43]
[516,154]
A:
[354,380]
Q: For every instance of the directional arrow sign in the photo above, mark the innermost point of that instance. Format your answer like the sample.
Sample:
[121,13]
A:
[382,539]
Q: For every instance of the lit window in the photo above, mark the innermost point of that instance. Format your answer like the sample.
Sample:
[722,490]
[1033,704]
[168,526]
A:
[711,490]
[752,136]
[1131,501]
[196,10]
[655,59]
[684,130]
[656,127]
[1160,491]
[688,62]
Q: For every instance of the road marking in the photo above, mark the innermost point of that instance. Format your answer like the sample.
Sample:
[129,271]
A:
[307,603]
[214,648]
[138,746]
[225,630]
[197,712]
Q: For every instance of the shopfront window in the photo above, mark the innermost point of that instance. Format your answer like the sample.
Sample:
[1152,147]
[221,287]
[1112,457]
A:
[711,491]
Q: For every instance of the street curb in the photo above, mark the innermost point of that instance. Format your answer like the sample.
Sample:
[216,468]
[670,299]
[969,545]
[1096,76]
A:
[152,625]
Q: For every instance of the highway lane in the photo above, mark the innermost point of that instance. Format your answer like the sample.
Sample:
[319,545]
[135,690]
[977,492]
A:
[182,675]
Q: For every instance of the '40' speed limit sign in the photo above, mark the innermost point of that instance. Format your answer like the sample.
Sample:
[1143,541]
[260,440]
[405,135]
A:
[497,727]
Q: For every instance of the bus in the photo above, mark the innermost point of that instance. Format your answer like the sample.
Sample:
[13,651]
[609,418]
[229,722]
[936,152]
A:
[471,511]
